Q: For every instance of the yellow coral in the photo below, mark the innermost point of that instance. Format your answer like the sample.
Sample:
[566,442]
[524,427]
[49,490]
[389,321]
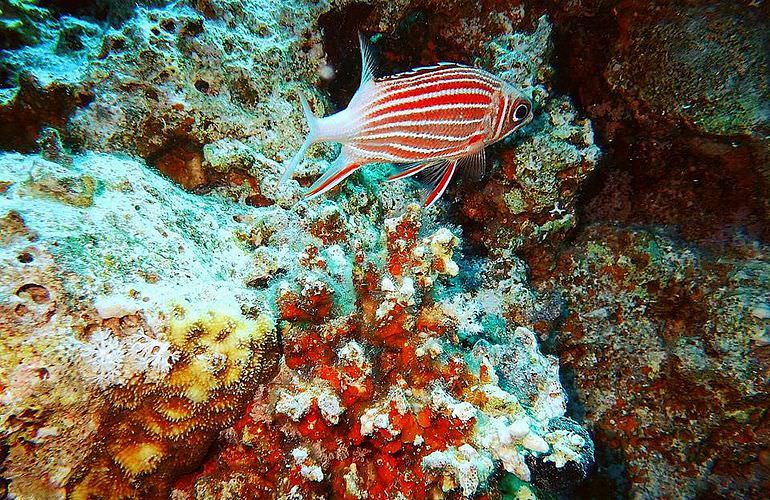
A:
[216,349]
[222,358]
[140,457]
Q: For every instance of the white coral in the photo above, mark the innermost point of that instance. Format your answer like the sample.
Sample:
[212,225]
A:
[150,355]
[466,312]
[465,465]
[103,357]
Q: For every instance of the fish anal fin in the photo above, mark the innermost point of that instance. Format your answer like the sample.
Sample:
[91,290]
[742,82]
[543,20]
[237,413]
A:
[338,171]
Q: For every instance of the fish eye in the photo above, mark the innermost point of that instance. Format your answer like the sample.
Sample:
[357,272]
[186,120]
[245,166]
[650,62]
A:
[522,110]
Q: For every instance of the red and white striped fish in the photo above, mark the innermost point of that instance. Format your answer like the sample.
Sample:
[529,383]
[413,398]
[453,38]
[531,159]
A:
[432,120]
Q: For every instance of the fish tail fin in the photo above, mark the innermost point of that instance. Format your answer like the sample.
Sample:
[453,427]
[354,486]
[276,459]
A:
[338,171]
[312,135]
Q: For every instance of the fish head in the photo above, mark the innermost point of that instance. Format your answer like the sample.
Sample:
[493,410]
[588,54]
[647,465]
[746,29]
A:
[514,110]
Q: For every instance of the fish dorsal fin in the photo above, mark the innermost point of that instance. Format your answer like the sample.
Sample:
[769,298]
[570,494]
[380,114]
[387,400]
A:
[368,60]
[473,166]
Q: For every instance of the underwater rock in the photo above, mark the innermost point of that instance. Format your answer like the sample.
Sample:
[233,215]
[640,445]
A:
[125,349]
[680,88]
[667,349]
[704,65]
[42,66]
[202,89]
[198,74]
[528,205]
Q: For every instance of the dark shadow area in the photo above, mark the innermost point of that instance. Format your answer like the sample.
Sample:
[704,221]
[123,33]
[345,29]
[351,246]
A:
[711,190]
[340,28]
[416,41]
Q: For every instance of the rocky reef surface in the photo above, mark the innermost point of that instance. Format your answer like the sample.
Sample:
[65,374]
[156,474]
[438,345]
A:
[176,324]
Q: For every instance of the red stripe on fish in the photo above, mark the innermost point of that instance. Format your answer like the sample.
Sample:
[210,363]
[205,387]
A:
[446,98]
[332,181]
[465,111]
[388,93]
[403,80]
[405,149]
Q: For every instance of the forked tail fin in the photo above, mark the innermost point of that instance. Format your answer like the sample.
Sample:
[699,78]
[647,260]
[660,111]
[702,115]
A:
[312,123]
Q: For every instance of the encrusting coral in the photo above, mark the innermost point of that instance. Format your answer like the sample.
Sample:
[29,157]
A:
[371,373]
[157,429]
[664,325]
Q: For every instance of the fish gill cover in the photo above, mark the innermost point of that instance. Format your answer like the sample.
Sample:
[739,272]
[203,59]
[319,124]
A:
[175,322]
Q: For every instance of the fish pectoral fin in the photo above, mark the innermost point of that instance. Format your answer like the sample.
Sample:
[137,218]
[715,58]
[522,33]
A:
[439,178]
[410,169]
[474,165]
[337,172]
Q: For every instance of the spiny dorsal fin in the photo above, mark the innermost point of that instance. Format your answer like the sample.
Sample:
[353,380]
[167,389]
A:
[368,61]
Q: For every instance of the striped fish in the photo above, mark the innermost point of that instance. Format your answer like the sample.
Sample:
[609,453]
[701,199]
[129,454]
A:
[430,121]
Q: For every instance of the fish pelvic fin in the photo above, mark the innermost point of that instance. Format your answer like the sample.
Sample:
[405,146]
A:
[439,178]
[312,135]
[474,166]
[434,174]
[410,169]
[337,172]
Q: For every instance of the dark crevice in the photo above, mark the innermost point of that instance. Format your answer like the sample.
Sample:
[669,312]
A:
[708,189]
[415,41]
[340,28]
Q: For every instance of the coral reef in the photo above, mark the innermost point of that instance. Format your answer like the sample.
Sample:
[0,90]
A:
[200,77]
[530,201]
[208,336]
[43,62]
[125,350]
[382,401]
[669,353]
[158,351]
